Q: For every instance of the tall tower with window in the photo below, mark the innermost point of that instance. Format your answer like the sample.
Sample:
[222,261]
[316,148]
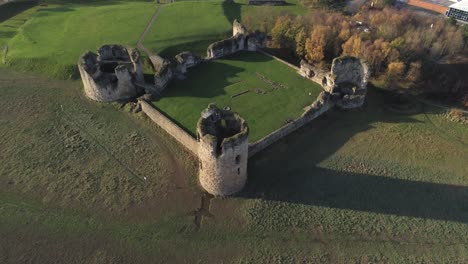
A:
[223,138]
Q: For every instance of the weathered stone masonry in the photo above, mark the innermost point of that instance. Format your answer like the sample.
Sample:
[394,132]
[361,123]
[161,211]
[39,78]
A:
[170,127]
[222,144]
[223,138]
[112,73]
[348,78]
[323,103]
[240,40]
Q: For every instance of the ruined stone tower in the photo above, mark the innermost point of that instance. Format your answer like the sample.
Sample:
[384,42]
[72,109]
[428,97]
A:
[112,73]
[223,138]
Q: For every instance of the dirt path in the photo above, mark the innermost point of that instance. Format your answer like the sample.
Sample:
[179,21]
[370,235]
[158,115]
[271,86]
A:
[155,59]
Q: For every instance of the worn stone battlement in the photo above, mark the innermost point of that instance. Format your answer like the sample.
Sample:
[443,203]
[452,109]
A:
[222,151]
[111,74]
[351,76]
[240,40]
[348,78]
[167,70]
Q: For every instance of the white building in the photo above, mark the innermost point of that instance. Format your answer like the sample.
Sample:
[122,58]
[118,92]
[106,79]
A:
[459,11]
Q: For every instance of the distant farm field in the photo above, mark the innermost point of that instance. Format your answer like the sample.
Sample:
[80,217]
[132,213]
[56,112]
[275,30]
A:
[264,91]
[51,38]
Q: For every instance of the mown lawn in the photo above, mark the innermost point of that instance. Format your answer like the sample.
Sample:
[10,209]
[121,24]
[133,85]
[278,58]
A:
[264,107]
[49,39]
[193,25]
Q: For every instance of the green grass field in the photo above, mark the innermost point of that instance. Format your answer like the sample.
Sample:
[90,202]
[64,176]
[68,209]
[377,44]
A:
[358,186]
[364,186]
[50,39]
[200,23]
[217,81]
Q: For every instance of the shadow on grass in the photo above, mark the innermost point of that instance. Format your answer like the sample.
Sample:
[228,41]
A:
[60,9]
[210,78]
[232,10]
[289,171]
[207,80]
[7,34]
[12,9]
[199,47]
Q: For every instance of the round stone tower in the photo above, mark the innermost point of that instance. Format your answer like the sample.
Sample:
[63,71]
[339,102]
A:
[223,138]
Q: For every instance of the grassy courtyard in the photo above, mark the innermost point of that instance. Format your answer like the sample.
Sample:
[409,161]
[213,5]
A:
[265,107]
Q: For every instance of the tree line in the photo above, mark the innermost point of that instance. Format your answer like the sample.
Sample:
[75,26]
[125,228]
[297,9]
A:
[399,45]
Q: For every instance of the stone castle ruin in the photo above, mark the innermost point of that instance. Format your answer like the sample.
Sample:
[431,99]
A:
[348,78]
[112,74]
[168,70]
[240,40]
[350,82]
[222,143]
[223,138]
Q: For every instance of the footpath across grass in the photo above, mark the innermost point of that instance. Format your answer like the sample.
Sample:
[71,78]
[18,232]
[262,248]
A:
[193,25]
[190,25]
[262,90]
[49,39]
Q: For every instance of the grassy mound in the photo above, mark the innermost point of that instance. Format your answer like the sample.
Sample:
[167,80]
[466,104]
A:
[262,90]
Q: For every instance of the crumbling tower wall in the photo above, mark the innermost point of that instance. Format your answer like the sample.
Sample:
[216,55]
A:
[347,80]
[350,81]
[111,74]
[240,40]
[223,138]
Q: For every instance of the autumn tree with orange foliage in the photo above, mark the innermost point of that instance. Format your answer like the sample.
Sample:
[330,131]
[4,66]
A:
[398,44]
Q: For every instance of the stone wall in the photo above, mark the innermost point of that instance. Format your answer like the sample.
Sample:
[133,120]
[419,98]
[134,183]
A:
[167,70]
[348,78]
[111,74]
[238,28]
[351,76]
[323,103]
[170,127]
[280,60]
[222,151]
[163,76]
[240,40]
[186,60]
[317,75]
